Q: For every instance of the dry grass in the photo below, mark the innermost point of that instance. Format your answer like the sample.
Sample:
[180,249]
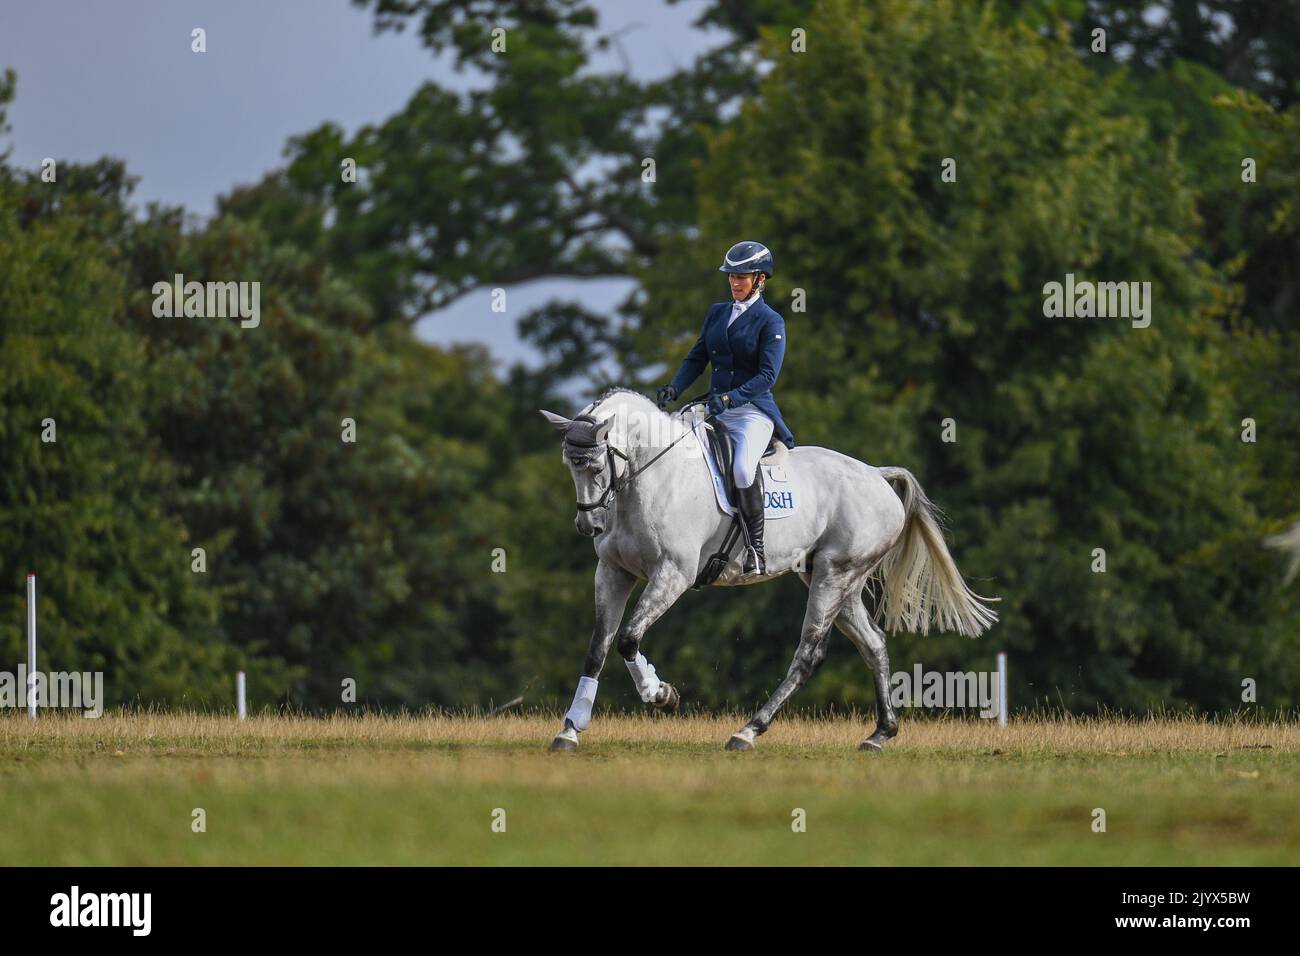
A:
[394,789]
[153,731]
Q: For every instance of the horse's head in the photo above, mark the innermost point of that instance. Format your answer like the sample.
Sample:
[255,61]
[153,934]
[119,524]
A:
[586,451]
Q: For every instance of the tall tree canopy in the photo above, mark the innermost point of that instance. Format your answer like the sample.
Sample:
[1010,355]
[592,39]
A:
[433,559]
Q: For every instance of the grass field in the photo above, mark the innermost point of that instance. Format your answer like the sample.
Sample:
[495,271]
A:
[422,790]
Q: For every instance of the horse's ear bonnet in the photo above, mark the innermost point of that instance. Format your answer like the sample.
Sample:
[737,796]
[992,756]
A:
[582,432]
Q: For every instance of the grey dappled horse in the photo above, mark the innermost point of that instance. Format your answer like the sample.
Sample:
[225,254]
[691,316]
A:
[851,528]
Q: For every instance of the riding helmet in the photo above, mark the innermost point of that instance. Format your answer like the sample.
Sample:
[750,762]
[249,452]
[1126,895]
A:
[746,257]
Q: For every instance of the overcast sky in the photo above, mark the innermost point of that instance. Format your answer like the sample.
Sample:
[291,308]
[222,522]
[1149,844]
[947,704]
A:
[118,78]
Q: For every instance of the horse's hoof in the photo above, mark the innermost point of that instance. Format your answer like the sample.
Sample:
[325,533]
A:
[872,745]
[741,740]
[565,741]
[671,699]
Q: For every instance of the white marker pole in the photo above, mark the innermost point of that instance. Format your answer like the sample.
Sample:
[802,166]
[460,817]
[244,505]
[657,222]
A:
[31,646]
[239,695]
[1002,688]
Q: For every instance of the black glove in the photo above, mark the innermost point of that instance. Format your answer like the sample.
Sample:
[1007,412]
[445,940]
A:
[665,395]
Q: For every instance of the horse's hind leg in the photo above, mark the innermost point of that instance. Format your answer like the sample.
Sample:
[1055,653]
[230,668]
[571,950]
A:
[826,594]
[856,624]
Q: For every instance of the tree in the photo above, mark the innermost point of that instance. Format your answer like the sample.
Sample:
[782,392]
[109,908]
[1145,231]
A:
[82,490]
[926,302]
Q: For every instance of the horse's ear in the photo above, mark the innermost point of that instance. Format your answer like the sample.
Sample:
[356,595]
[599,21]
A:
[559,421]
[603,428]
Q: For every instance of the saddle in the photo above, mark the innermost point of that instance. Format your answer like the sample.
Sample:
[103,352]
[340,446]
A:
[720,443]
[721,446]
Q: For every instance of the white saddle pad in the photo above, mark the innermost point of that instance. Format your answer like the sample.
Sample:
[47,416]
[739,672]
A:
[780,496]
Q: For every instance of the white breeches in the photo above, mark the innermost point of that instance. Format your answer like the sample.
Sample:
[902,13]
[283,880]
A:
[751,430]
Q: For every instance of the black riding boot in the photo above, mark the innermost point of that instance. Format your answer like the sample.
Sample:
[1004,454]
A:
[751,510]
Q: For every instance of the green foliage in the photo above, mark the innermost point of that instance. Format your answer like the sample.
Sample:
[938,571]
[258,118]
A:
[925,303]
[85,511]
[1252,44]
[341,559]
[325,559]
[922,302]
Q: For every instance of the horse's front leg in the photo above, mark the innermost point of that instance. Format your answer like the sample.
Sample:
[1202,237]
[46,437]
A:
[613,586]
[667,583]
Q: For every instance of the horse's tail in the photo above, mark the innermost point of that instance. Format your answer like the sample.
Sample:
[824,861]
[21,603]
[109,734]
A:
[1288,540]
[920,583]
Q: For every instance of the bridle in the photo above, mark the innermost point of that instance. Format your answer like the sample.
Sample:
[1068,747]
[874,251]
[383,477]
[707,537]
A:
[615,485]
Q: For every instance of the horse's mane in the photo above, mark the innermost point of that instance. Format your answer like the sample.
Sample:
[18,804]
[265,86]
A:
[637,418]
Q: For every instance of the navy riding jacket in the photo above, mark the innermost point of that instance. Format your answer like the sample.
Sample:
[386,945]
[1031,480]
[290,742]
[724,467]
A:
[746,359]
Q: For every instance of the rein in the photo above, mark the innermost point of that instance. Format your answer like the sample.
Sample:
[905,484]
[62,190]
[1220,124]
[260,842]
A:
[615,486]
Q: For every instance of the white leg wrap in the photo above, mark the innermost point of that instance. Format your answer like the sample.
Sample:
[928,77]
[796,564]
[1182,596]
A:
[644,676]
[580,711]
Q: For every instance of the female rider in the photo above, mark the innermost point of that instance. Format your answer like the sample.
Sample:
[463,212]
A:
[744,339]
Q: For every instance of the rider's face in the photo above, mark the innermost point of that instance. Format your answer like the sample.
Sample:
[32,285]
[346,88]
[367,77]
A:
[742,285]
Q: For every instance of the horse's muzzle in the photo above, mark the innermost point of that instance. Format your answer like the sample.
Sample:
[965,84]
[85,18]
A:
[587,526]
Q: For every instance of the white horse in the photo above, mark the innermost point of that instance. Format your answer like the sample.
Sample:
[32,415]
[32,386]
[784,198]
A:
[851,529]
